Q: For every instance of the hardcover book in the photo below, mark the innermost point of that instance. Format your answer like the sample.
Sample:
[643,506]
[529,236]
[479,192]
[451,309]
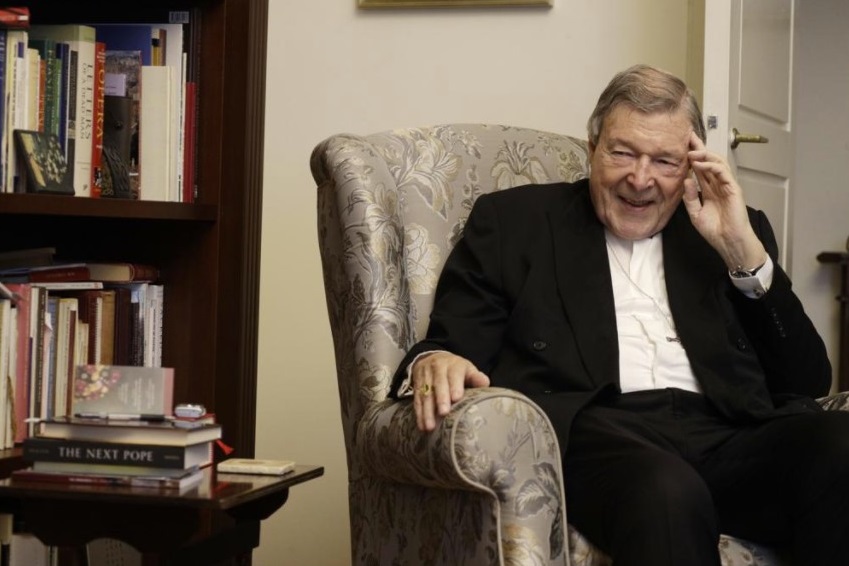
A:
[186,480]
[91,453]
[117,272]
[129,391]
[130,432]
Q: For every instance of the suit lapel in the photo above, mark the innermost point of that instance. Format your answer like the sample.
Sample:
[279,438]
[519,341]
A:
[690,267]
[585,287]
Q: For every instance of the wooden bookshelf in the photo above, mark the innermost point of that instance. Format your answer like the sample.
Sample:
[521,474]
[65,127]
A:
[209,251]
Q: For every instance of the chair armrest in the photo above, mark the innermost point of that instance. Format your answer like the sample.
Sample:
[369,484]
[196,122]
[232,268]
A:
[836,402]
[489,433]
[495,441]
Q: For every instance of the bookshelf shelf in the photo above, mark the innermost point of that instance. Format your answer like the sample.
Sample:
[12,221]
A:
[208,252]
[51,205]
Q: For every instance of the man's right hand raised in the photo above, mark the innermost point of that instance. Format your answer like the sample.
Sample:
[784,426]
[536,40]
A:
[440,380]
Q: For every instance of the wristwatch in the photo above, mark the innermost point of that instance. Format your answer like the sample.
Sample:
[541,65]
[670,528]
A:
[739,273]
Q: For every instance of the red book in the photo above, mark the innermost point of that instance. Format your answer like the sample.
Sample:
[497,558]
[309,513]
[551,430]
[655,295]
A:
[14,18]
[190,142]
[24,356]
[97,133]
[121,272]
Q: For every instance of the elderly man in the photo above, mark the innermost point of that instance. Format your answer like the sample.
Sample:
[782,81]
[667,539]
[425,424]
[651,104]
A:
[643,309]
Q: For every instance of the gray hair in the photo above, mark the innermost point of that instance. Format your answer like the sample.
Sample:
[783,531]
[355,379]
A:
[649,90]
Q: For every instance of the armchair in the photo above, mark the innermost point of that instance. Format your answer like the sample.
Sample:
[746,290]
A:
[485,487]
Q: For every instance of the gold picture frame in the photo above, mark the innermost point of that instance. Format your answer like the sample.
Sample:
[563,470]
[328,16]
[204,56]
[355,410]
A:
[451,3]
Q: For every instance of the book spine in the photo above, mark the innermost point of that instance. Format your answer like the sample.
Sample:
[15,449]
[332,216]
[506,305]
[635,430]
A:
[6,137]
[93,479]
[75,273]
[147,455]
[97,124]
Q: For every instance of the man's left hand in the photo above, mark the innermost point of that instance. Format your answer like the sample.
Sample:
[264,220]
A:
[719,212]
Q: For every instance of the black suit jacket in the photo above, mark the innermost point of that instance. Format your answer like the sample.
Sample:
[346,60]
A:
[526,295]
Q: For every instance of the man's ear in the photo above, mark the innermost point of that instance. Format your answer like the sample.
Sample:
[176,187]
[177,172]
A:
[590,149]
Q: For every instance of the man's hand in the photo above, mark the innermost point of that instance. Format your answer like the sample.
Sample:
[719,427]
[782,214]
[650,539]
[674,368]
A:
[439,381]
[720,214]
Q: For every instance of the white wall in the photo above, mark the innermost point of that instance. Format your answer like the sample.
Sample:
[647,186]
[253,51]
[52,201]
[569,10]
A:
[333,68]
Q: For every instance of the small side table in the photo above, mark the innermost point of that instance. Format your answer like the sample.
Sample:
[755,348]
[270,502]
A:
[842,260]
[209,524]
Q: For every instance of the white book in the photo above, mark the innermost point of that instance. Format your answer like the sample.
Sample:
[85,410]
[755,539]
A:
[33,61]
[155,149]
[15,89]
[256,466]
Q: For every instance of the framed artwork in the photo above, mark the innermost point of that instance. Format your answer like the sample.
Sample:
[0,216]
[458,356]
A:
[449,3]
[42,163]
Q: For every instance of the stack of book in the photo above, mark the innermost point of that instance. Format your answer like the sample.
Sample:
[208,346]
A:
[107,451]
[121,431]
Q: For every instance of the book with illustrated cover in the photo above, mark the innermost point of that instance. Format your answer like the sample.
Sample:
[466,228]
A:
[129,431]
[256,466]
[92,453]
[111,391]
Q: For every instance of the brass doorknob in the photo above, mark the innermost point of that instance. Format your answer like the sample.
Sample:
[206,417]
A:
[738,138]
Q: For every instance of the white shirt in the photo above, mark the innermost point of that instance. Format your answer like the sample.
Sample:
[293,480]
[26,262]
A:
[650,353]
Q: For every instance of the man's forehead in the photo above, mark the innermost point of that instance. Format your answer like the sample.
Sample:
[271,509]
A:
[670,129]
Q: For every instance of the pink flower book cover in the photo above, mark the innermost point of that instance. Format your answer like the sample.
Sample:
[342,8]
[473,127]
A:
[123,391]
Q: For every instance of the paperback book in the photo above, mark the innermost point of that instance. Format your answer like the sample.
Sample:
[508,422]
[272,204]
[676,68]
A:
[256,466]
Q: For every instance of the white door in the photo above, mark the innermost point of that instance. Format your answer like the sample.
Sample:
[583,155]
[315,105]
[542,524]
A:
[748,87]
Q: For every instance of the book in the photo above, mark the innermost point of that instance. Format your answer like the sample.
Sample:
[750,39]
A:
[256,466]
[186,480]
[127,431]
[69,285]
[97,120]
[80,106]
[143,456]
[14,17]
[42,166]
[117,272]
[23,358]
[156,132]
[26,258]
[110,390]
[111,469]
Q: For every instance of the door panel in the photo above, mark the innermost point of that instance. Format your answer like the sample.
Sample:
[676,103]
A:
[748,86]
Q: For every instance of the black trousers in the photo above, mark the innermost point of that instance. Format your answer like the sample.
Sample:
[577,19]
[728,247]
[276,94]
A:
[653,477]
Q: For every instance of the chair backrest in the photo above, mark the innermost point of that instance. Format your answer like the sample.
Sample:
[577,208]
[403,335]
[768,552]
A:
[390,208]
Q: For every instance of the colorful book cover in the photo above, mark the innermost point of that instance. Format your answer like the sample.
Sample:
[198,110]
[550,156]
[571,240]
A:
[112,391]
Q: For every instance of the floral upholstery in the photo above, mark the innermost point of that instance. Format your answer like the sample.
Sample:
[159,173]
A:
[486,487]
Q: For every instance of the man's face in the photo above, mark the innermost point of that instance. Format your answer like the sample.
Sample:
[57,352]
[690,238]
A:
[637,170]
